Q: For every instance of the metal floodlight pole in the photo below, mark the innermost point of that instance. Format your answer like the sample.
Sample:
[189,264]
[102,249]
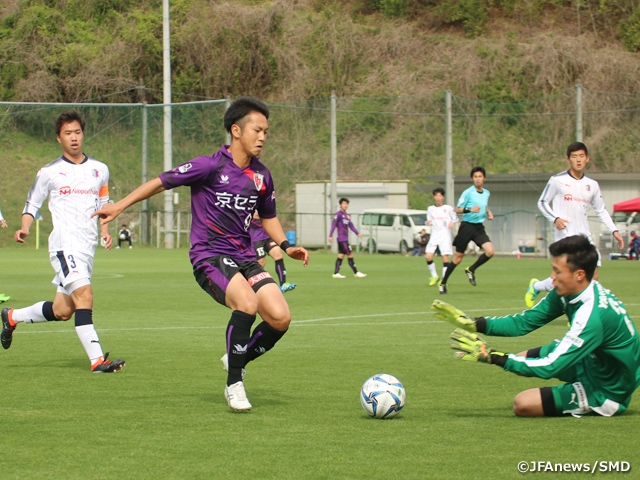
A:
[334,156]
[166,99]
[227,104]
[449,151]
[144,227]
[578,113]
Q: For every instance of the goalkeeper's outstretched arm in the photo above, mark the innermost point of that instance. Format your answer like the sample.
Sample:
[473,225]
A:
[456,317]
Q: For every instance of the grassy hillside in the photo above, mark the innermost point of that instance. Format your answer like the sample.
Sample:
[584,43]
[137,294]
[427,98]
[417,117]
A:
[492,50]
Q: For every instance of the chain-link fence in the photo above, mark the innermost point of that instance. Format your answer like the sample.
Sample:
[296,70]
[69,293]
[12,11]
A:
[377,139]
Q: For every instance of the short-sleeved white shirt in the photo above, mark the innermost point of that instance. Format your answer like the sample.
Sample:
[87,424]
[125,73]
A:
[75,191]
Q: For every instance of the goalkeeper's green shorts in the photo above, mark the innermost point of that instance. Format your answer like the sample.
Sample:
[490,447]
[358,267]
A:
[578,397]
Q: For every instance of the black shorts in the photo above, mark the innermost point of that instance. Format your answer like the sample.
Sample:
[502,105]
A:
[344,248]
[470,232]
[214,274]
[262,247]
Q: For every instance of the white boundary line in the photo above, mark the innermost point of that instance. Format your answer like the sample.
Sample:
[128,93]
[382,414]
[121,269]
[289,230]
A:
[295,323]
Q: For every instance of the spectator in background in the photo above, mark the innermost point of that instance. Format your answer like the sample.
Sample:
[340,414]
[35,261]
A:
[420,243]
[634,246]
[124,235]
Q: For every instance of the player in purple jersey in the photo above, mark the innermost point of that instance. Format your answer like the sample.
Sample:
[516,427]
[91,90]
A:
[342,222]
[263,245]
[226,188]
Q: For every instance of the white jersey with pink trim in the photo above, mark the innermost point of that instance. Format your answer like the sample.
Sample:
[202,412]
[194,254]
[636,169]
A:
[75,191]
[439,219]
[569,198]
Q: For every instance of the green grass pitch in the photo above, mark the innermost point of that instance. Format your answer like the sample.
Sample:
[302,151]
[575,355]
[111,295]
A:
[165,416]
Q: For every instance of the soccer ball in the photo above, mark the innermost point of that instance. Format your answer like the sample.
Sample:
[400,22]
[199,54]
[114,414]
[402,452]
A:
[123,236]
[382,396]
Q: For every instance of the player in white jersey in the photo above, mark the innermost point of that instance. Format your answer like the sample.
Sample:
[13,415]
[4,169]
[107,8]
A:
[3,224]
[76,186]
[441,217]
[565,203]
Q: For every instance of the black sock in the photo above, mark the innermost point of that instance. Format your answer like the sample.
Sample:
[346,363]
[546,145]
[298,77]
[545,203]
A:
[338,265]
[429,262]
[83,316]
[450,270]
[238,335]
[263,339]
[47,311]
[481,261]
[352,264]
[280,270]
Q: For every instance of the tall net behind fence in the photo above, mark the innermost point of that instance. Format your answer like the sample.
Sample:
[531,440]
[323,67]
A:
[401,138]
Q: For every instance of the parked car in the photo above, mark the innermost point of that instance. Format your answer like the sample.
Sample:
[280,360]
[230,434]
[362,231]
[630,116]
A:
[391,229]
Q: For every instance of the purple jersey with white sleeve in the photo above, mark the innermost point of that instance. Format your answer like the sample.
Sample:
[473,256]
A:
[342,222]
[257,232]
[223,199]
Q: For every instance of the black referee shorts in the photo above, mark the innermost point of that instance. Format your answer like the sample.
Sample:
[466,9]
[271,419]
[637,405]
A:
[470,232]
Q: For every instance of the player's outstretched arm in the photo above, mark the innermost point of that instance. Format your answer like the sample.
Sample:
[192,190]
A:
[110,211]
[454,316]
[471,347]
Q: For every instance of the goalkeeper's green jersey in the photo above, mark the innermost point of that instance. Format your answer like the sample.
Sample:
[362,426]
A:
[600,349]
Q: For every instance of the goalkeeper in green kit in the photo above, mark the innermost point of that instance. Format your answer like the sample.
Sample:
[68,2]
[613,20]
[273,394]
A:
[599,357]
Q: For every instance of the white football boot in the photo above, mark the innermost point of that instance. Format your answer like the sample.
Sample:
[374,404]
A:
[237,397]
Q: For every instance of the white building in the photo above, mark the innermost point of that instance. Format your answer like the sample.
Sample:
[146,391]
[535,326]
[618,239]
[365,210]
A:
[314,212]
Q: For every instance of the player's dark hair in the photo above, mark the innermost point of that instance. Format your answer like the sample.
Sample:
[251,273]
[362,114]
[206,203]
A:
[343,200]
[576,146]
[439,190]
[240,108]
[478,169]
[581,253]
[66,117]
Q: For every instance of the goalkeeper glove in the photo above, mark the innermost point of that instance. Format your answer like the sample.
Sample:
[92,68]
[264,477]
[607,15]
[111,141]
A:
[473,348]
[451,314]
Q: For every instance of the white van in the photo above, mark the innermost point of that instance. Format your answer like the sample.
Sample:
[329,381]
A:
[391,229]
